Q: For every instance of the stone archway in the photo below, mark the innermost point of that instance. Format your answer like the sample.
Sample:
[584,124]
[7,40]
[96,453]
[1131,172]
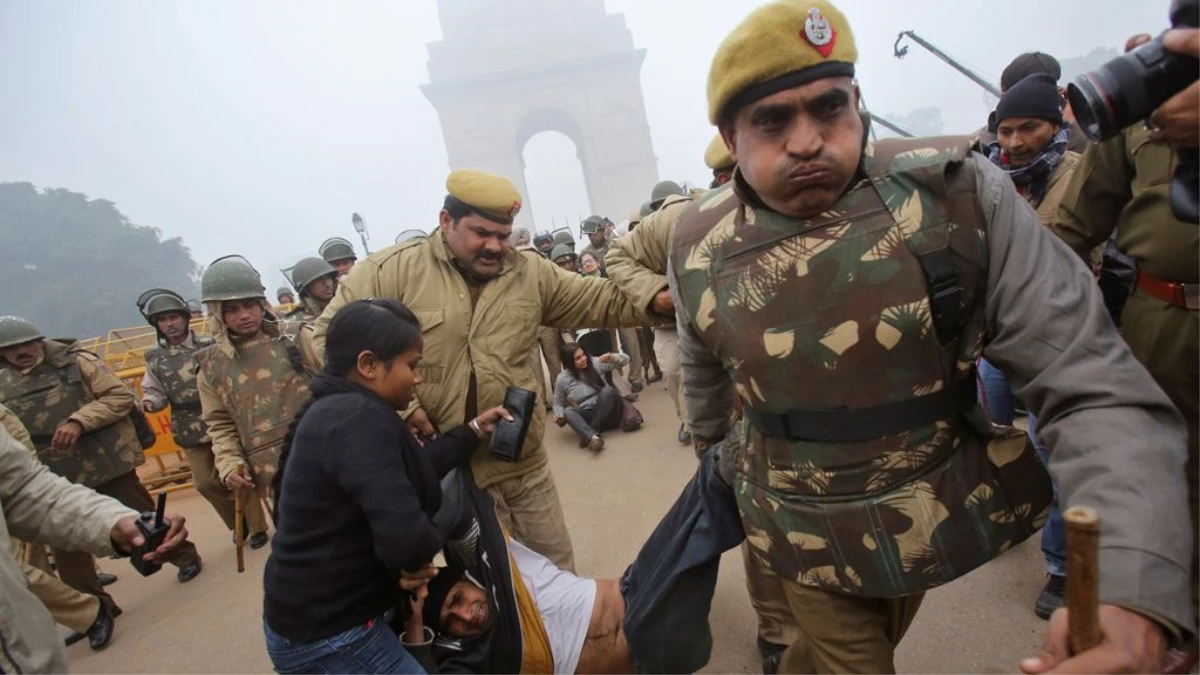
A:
[509,69]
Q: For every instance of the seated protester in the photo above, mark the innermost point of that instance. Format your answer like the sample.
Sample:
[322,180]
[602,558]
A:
[355,493]
[586,400]
[589,265]
[498,607]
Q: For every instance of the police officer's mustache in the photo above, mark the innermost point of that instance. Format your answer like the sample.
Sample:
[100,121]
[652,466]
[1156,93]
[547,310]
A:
[486,255]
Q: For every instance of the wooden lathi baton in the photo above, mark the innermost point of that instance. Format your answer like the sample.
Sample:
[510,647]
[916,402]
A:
[1083,578]
[239,534]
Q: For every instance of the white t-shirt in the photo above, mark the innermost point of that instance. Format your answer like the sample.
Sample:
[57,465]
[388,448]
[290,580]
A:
[564,600]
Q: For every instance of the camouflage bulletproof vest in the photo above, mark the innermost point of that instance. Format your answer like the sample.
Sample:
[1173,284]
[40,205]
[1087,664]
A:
[868,468]
[307,310]
[46,397]
[263,388]
[176,370]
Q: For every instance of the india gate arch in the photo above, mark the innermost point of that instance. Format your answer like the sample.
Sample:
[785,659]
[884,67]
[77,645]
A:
[507,70]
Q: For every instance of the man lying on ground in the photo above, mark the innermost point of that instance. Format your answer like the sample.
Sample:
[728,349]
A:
[498,607]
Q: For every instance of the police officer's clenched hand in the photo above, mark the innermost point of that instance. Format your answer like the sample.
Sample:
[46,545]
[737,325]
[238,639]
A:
[239,479]
[126,536]
[66,435]
[1132,644]
[663,304]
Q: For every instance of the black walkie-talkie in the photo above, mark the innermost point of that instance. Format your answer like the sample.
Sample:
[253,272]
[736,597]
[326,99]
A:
[154,530]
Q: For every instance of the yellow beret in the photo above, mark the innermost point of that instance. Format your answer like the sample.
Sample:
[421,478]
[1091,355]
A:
[717,156]
[493,196]
[780,45]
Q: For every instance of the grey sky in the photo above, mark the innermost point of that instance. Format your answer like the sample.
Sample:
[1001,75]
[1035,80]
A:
[258,127]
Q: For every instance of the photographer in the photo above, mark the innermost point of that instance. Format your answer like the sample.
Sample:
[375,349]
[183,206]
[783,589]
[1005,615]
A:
[1123,185]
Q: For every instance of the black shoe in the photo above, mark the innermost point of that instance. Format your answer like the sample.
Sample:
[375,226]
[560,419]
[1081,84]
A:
[106,579]
[259,540]
[189,571]
[685,437]
[772,655]
[101,632]
[73,637]
[656,377]
[637,385]
[1052,596]
[632,398]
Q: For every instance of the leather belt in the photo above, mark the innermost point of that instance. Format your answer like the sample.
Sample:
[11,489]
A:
[852,425]
[1173,292]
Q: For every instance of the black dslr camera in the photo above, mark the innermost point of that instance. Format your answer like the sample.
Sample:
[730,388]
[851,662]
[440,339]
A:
[154,529]
[1130,87]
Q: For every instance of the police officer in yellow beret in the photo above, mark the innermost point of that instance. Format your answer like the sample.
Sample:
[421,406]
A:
[844,290]
[480,302]
[717,158]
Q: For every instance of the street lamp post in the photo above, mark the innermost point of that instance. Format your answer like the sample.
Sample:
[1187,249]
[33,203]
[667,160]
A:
[360,226]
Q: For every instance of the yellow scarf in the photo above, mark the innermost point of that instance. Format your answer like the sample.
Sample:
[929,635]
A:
[536,656]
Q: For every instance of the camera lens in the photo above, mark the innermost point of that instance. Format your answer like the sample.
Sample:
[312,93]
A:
[1122,91]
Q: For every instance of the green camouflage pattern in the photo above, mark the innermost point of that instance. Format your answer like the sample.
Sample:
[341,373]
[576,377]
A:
[50,393]
[263,393]
[307,310]
[175,368]
[833,312]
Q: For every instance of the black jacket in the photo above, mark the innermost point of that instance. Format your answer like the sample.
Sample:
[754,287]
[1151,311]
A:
[355,508]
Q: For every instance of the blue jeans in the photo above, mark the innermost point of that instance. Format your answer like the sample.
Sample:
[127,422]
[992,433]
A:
[1000,403]
[362,649]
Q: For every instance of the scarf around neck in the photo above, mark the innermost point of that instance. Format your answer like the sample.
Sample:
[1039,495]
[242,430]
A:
[1033,178]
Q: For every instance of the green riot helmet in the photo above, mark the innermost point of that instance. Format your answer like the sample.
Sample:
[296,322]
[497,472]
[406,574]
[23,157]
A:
[591,225]
[307,271]
[645,210]
[231,278]
[15,331]
[562,251]
[160,301]
[335,249]
[563,237]
[663,190]
[409,235]
[195,307]
[282,291]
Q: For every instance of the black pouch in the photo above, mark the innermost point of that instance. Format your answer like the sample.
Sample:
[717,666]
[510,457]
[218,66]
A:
[508,437]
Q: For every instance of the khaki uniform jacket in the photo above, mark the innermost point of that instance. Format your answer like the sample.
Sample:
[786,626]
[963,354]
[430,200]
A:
[637,262]
[228,453]
[1047,210]
[36,505]
[1124,184]
[1117,443]
[493,339]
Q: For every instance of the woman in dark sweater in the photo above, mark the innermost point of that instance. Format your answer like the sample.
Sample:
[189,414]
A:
[355,496]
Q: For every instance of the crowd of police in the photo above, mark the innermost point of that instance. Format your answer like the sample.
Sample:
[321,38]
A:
[848,326]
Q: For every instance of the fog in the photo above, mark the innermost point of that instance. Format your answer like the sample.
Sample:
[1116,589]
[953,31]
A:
[259,127]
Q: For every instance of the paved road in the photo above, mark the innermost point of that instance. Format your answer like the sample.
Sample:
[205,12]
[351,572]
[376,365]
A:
[980,624]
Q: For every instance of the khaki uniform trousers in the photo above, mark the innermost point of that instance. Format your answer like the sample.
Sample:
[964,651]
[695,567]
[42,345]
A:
[666,350]
[631,347]
[1166,340]
[844,634]
[208,484]
[529,508]
[69,607]
[776,625]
